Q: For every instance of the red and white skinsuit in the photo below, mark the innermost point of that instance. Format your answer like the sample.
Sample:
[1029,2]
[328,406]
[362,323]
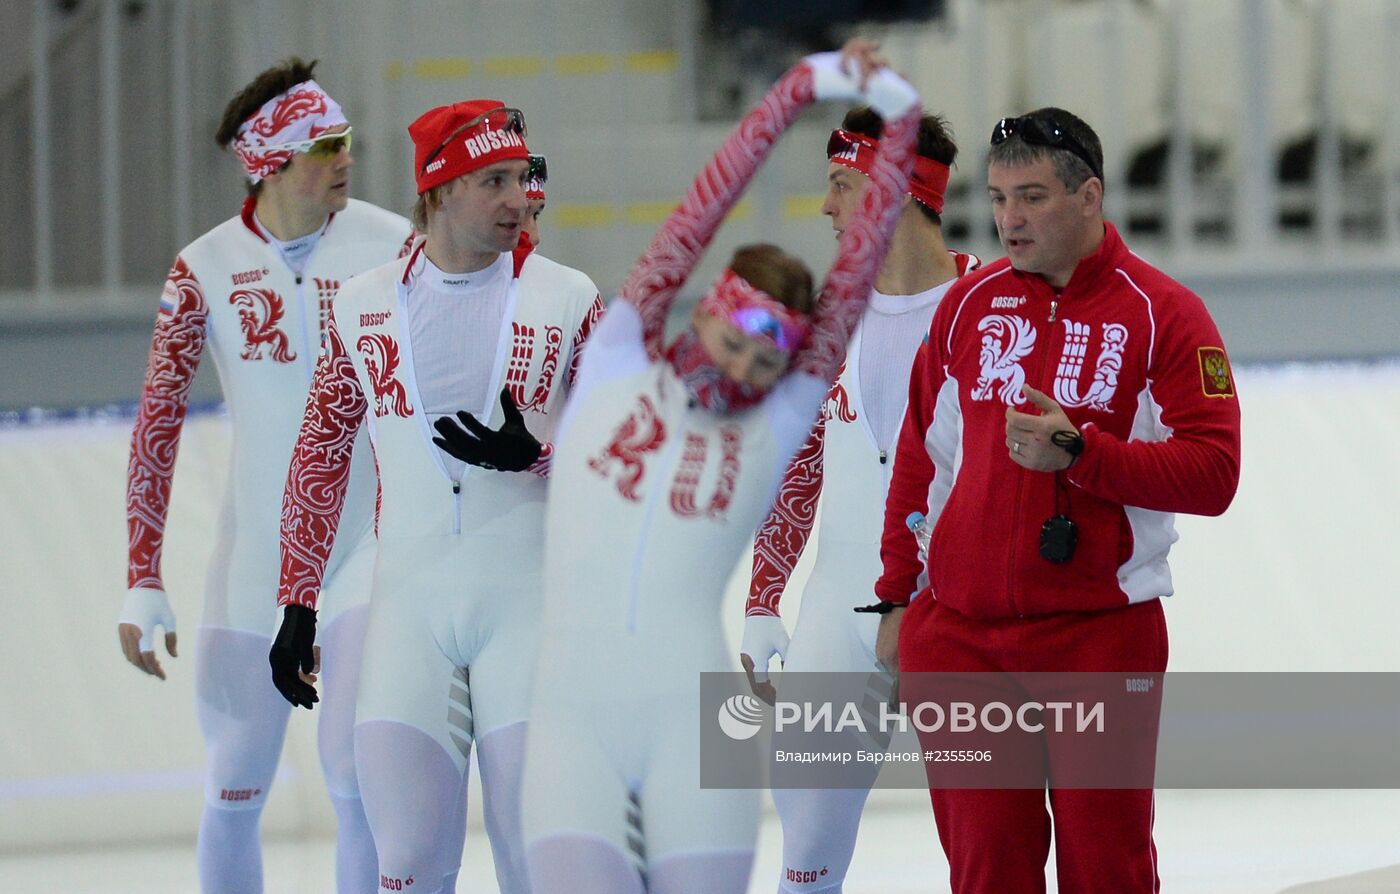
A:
[230,295]
[846,465]
[631,613]
[456,592]
[1136,362]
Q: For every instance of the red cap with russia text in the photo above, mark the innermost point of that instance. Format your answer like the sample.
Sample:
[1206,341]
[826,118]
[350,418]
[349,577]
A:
[443,149]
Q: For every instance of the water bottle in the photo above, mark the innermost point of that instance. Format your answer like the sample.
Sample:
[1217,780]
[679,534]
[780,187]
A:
[922,530]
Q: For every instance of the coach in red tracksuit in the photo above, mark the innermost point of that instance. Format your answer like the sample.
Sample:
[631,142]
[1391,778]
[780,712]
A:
[1070,379]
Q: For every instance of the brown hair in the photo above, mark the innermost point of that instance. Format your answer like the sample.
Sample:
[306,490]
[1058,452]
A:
[935,141]
[278,79]
[431,198]
[776,272]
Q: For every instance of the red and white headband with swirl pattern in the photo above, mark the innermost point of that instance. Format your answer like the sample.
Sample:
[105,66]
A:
[284,124]
[755,312]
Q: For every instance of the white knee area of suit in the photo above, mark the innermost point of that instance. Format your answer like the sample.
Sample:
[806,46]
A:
[501,757]
[410,788]
[819,836]
[241,715]
[342,653]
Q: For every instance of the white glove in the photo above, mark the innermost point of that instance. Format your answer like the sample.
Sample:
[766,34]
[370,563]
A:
[764,637]
[147,608]
[830,81]
[890,95]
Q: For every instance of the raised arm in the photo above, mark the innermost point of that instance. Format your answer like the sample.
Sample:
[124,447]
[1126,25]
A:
[678,246]
[176,346]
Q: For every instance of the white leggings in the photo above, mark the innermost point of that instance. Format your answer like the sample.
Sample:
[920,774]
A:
[244,722]
[820,825]
[614,803]
[582,865]
[415,798]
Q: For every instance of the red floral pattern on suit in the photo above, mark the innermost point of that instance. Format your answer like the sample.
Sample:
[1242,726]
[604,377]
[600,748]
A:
[641,433]
[784,533]
[585,329]
[175,351]
[522,351]
[260,313]
[692,466]
[381,355]
[838,402]
[325,294]
[320,473]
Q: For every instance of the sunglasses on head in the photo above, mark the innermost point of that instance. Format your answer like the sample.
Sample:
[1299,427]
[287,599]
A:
[846,144]
[538,169]
[327,145]
[504,118]
[1039,132]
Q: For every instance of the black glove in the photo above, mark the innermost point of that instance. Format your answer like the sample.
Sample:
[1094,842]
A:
[510,449]
[291,651]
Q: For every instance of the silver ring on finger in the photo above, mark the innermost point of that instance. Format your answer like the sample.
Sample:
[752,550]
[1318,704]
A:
[1016,447]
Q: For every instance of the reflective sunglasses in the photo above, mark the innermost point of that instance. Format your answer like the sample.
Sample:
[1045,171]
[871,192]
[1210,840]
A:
[1039,132]
[761,322]
[504,118]
[538,169]
[326,146]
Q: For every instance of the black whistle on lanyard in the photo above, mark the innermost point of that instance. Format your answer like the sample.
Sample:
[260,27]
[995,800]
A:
[1058,538]
[1059,535]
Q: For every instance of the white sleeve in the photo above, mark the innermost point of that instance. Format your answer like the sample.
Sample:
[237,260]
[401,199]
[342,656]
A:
[615,348]
[792,411]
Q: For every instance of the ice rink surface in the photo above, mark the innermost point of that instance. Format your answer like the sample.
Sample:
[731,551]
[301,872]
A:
[1210,842]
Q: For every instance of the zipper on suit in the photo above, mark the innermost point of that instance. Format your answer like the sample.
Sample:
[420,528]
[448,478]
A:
[1021,479]
[456,506]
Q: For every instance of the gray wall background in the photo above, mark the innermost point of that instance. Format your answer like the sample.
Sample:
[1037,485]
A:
[629,97]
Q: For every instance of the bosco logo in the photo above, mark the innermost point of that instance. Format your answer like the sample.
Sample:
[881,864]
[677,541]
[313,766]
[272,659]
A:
[806,876]
[376,318]
[243,277]
[239,794]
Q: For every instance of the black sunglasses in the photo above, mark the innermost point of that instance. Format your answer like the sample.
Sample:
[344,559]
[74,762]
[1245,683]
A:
[1038,132]
[510,119]
[538,169]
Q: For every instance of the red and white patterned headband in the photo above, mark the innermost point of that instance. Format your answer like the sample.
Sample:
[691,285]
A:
[755,312]
[283,126]
[927,184]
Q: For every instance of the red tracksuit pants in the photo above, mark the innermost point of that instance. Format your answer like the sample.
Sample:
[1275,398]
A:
[998,840]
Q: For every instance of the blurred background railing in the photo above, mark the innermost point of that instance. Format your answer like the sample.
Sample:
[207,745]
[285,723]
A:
[1251,145]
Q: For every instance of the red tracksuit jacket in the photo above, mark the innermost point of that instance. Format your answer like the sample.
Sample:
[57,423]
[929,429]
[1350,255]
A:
[1136,362]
